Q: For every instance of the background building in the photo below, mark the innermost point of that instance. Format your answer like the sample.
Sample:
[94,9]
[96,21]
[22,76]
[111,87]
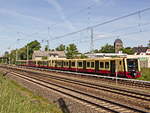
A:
[41,55]
[118,44]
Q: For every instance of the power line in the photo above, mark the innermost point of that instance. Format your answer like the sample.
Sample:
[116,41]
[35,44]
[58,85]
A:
[76,13]
[103,23]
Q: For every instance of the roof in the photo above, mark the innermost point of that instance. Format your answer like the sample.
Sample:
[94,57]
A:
[118,41]
[139,50]
[99,55]
[48,53]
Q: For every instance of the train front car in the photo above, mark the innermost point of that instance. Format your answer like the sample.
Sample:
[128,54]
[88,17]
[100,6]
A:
[133,68]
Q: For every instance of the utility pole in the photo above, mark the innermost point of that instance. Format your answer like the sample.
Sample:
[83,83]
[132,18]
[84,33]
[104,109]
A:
[16,54]
[9,60]
[47,44]
[92,41]
[48,38]
[27,54]
[17,50]
[9,56]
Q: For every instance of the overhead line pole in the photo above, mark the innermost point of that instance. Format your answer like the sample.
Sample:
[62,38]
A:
[92,40]
[48,39]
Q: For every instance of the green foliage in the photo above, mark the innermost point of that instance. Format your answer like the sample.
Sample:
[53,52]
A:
[61,47]
[44,58]
[107,49]
[71,51]
[83,56]
[96,51]
[149,44]
[33,46]
[145,74]
[46,48]
[128,50]
[22,52]
[16,99]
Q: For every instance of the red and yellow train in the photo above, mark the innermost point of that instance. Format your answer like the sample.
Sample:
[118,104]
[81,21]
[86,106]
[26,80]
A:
[122,67]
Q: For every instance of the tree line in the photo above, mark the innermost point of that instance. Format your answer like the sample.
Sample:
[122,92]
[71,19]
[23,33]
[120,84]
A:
[71,51]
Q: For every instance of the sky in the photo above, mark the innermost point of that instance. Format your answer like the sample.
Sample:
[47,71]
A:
[22,21]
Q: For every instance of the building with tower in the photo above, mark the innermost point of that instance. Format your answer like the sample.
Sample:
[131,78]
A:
[118,44]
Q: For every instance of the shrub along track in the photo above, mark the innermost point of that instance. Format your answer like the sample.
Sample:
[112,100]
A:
[93,94]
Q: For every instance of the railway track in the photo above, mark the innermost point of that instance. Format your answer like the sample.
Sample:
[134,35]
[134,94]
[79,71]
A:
[129,82]
[125,92]
[113,80]
[106,103]
[92,100]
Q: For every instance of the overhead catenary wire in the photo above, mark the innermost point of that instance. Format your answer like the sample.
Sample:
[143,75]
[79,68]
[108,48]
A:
[103,23]
[108,37]
[71,15]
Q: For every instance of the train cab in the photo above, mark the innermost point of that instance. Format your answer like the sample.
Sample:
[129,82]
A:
[133,68]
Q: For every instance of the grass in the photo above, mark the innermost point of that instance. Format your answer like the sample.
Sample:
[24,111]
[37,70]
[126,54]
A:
[145,74]
[16,99]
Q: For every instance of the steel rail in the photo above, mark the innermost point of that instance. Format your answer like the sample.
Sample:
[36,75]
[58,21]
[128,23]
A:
[81,93]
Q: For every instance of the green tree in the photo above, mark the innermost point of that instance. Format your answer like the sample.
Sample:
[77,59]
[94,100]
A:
[128,50]
[71,51]
[44,58]
[96,51]
[22,52]
[149,44]
[46,48]
[107,49]
[33,46]
[83,56]
[61,47]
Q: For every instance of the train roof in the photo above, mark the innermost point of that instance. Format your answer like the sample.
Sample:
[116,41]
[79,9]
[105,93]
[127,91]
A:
[104,58]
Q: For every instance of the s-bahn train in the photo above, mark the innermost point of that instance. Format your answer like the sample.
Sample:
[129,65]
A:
[122,67]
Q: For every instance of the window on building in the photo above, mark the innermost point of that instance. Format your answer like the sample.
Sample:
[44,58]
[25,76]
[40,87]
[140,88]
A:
[92,64]
[101,64]
[106,64]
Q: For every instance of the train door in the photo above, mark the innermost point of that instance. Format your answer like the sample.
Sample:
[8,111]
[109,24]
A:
[69,64]
[84,65]
[96,65]
[112,66]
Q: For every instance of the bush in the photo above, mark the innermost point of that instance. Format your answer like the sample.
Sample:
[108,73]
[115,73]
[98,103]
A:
[145,74]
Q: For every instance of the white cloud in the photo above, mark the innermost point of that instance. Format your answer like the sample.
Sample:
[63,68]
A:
[21,15]
[97,1]
[60,11]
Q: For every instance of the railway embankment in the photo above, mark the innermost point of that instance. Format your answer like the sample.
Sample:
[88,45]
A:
[145,74]
[17,99]
[78,95]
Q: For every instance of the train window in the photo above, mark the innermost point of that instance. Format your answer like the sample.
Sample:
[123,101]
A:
[88,64]
[106,64]
[72,63]
[101,64]
[45,63]
[120,62]
[92,64]
[59,63]
[67,63]
[64,63]
[79,64]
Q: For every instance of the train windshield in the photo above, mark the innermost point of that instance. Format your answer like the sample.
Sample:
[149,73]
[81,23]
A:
[132,64]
